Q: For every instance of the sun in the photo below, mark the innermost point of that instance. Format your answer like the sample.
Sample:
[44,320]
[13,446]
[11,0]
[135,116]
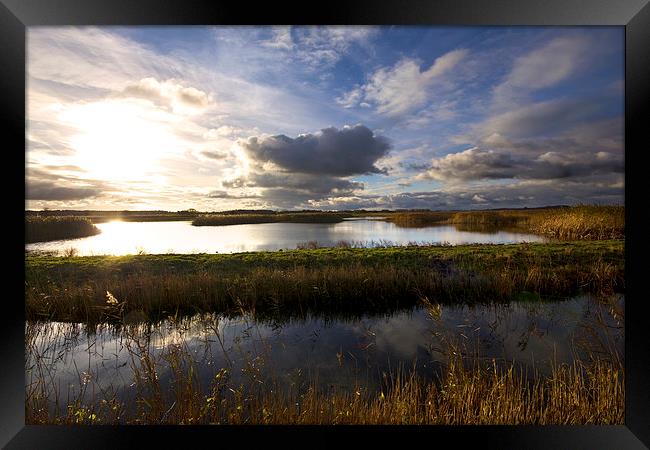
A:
[120,139]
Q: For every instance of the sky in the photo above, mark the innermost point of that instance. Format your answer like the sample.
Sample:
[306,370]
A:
[332,118]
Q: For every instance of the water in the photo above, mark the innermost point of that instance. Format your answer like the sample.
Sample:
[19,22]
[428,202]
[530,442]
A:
[338,353]
[121,238]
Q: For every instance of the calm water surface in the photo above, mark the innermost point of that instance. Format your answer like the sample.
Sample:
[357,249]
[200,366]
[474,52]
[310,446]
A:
[337,352]
[122,238]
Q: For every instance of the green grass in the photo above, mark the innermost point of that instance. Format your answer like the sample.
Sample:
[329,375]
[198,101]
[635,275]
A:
[332,279]
[39,228]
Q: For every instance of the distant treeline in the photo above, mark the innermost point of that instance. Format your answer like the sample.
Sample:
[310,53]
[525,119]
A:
[238,219]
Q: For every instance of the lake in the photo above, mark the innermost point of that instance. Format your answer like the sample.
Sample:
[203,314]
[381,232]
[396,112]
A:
[338,352]
[122,238]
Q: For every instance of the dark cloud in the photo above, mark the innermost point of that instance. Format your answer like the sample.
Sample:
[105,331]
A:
[290,190]
[534,193]
[345,152]
[214,154]
[50,191]
[479,164]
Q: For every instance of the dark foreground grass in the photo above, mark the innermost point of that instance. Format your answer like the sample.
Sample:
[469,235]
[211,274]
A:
[467,390]
[39,228]
[144,287]
[571,395]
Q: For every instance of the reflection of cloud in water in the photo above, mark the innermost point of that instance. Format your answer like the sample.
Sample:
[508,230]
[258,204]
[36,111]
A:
[120,238]
[530,333]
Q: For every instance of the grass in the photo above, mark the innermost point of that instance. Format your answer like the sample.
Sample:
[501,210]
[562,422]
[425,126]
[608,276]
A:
[318,280]
[237,219]
[466,391]
[582,222]
[39,228]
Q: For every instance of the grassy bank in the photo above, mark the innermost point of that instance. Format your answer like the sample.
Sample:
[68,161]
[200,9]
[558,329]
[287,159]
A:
[348,279]
[39,229]
[238,219]
[564,223]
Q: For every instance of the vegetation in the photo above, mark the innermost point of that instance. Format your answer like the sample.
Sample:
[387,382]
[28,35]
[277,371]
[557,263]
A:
[589,222]
[564,223]
[466,390]
[131,294]
[39,228]
[237,219]
[125,216]
[350,279]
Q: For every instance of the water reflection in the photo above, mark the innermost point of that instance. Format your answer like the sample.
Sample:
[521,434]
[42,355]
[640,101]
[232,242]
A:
[121,238]
[336,353]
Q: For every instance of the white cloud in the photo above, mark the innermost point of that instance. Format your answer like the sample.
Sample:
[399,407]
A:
[399,89]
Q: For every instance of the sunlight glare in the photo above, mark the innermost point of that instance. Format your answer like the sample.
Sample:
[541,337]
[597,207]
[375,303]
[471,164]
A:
[120,140]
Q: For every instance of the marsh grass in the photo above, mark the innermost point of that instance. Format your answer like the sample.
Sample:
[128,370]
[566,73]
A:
[582,222]
[344,279]
[237,219]
[467,390]
[40,228]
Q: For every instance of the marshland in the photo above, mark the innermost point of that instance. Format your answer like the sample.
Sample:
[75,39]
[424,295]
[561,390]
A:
[418,317]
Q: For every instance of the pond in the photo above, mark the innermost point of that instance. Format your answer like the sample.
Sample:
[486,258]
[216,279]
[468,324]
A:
[122,238]
[332,352]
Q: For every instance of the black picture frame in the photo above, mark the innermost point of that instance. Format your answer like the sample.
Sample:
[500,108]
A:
[634,15]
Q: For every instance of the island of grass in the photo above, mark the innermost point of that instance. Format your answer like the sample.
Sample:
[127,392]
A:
[53,228]
[325,280]
[273,217]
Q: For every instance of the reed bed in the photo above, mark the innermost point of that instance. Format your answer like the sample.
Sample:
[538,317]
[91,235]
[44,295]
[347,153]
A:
[582,222]
[467,391]
[238,219]
[347,279]
[40,228]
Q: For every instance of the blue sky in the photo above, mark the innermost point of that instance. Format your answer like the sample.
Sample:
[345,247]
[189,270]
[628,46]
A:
[217,118]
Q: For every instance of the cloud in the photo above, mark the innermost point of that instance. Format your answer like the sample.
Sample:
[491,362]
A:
[318,46]
[214,154]
[169,92]
[478,164]
[338,152]
[544,67]
[531,193]
[541,118]
[50,191]
[227,195]
[281,39]
[404,87]
[286,171]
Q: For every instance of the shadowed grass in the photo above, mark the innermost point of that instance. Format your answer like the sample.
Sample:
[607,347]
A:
[39,228]
[465,392]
